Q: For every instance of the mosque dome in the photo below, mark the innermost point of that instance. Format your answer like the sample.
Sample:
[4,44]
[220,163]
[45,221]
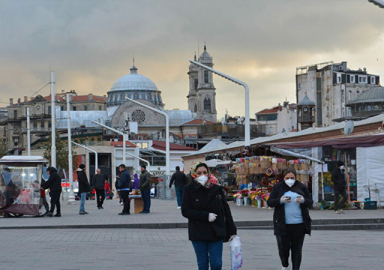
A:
[134,86]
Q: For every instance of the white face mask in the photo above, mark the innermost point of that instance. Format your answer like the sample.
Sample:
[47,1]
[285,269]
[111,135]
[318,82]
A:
[202,179]
[342,168]
[290,182]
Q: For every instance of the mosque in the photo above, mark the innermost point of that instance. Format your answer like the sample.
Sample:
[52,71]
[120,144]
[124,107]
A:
[201,103]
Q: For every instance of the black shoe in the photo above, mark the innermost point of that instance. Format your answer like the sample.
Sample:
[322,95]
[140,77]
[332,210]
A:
[101,207]
[49,215]
[81,213]
[57,215]
[123,213]
[144,212]
[86,212]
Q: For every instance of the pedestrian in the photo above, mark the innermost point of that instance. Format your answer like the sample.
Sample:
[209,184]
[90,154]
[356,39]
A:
[180,180]
[339,185]
[210,221]
[98,185]
[291,200]
[136,181]
[107,187]
[84,187]
[125,186]
[145,189]
[54,185]
[117,188]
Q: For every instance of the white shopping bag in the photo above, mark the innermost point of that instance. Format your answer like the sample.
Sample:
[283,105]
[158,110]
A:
[236,253]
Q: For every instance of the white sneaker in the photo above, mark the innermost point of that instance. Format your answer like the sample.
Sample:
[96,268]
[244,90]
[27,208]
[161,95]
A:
[285,268]
[337,212]
[178,207]
[341,211]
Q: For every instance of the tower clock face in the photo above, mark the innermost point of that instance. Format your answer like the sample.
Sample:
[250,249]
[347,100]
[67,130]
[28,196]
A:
[305,109]
[138,116]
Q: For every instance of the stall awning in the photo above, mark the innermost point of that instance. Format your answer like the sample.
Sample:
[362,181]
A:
[348,142]
[285,152]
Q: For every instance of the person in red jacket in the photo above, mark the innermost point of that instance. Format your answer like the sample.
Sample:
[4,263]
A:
[107,187]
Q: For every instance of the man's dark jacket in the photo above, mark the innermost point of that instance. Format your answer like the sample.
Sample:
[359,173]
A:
[338,180]
[197,203]
[125,180]
[279,213]
[83,181]
[53,182]
[145,180]
[179,178]
[98,181]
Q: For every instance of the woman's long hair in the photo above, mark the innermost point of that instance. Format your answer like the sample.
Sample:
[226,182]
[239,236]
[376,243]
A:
[287,171]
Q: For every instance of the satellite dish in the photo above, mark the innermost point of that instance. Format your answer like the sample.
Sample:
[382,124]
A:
[348,128]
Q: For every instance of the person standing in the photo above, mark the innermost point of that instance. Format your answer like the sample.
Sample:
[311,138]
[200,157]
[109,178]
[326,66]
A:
[117,183]
[125,186]
[291,200]
[180,180]
[210,221]
[339,185]
[107,187]
[84,187]
[54,185]
[98,185]
[145,189]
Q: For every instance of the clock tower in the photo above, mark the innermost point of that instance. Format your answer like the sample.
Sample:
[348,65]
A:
[305,113]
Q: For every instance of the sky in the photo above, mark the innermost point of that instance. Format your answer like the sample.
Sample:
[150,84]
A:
[90,44]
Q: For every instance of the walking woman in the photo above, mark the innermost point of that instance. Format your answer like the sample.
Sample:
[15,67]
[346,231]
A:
[291,219]
[210,220]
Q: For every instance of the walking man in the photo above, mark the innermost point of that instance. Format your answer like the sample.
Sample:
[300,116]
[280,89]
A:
[180,180]
[54,185]
[145,189]
[339,184]
[84,187]
[98,185]
[125,186]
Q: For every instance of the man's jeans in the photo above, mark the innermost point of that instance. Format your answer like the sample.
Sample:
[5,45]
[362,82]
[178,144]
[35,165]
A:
[342,193]
[146,196]
[209,253]
[179,195]
[82,201]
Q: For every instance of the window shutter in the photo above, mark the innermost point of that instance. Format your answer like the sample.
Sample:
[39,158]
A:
[369,80]
[334,78]
[343,79]
[348,78]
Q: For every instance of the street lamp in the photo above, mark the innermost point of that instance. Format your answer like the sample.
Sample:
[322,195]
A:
[53,121]
[247,138]
[71,196]
[379,3]
[167,155]
[125,137]
[89,149]
[28,133]
[146,161]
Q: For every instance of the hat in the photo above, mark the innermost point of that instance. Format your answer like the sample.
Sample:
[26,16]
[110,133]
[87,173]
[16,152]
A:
[82,166]
[143,166]
[340,163]
[51,169]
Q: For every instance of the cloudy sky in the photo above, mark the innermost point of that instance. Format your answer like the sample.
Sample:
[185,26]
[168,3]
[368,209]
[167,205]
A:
[90,44]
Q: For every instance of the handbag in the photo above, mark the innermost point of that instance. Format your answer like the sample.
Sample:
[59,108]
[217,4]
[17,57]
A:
[236,253]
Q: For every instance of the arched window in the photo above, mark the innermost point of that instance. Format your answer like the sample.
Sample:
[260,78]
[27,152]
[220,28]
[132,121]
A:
[376,108]
[196,83]
[206,76]
[122,97]
[135,95]
[369,108]
[207,104]
[362,108]
[149,97]
[195,109]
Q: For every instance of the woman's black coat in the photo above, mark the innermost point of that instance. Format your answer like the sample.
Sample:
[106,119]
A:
[197,203]
[279,213]
[83,181]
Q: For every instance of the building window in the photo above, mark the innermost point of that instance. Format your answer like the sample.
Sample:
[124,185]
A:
[352,78]
[207,104]
[49,110]
[149,96]
[74,108]
[376,107]
[338,78]
[34,124]
[85,108]
[206,76]
[62,108]
[122,96]
[299,85]
[369,108]
[196,83]
[49,124]
[135,96]
[362,109]
[195,109]
[373,80]
[362,79]
[99,108]
[42,124]
[15,114]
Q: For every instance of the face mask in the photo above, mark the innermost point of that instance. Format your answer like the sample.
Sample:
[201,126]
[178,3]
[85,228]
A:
[342,168]
[202,179]
[290,182]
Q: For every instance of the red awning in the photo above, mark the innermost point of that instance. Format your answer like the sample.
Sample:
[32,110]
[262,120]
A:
[348,142]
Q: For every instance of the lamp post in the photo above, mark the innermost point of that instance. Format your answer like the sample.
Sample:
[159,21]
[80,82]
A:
[146,161]
[247,139]
[125,137]
[167,150]
[53,120]
[89,149]
[28,133]
[71,197]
